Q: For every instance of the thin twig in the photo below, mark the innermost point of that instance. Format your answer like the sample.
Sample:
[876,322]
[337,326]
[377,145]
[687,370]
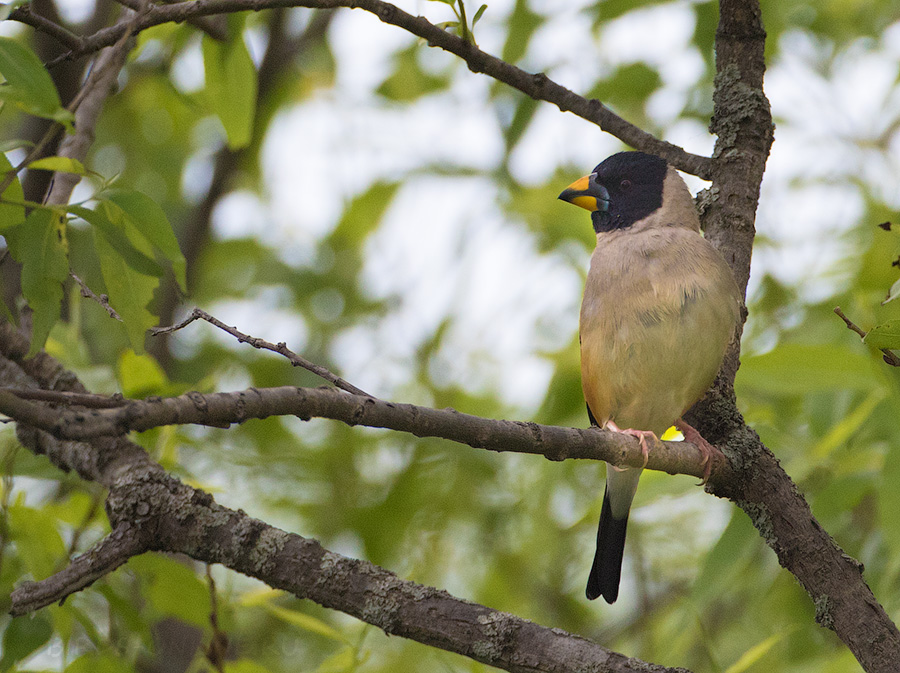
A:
[850,324]
[102,299]
[89,400]
[96,501]
[211,25]
[536,85]
[889,356]
[280,348]
[218,642]
[35,152]
[88,104]
[85,127]
[63,35]
[6,488]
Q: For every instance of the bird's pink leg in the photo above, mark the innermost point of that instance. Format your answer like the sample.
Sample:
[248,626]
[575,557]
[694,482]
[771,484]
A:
[707,450]
[642,436]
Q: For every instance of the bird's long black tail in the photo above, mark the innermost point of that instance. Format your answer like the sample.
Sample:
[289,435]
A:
[607,566]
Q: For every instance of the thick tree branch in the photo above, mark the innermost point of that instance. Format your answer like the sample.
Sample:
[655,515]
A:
[151,510]
[187,520]
[535,85]
[833,580]
[67,398]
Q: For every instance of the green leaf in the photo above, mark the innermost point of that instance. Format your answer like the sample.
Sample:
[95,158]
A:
[306,622]
[231,83]
[28,84]
[15,144]
[140,375]
[125,610]
[362,215]
[339,662]
[113,224]
[129,290]
[847,426]
[245,666]
[98,662]
[10,213]
[62,617]
[61,164]
[523,22]
[39,244]
[886,335]
[37,539]
[755,653]
[893,293]
[526,107]
[611,9]
[173,589]
[260,596]
[23,636]
[408,81]
[151,221]
[628,88]
[889,499]
[478,15]
[724,563]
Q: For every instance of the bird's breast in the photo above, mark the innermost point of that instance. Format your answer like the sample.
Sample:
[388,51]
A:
[659,310]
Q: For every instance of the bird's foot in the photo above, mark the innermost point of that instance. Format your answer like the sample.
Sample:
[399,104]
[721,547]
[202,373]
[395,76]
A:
[642,436]
[707,450]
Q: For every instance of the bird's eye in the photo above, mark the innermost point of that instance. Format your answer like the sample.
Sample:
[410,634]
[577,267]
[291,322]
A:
[625,185]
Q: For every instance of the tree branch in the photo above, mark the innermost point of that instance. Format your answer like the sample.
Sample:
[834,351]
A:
[889,356]
[278,62]
[88,105]
[223,409]
[102,299]
[107,555]
[62,35]
[280,348]
[537,86]
[151,510]
[186,520]
[742,120]
[213,26]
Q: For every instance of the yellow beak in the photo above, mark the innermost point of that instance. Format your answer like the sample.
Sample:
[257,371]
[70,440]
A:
[584,194]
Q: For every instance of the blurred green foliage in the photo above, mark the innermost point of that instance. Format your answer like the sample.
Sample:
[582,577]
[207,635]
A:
[701,589]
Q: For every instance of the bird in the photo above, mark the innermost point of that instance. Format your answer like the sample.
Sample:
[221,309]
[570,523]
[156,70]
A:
[660,309]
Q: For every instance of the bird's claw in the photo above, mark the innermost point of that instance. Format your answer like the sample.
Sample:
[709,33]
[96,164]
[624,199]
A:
[707,450]
[641,435]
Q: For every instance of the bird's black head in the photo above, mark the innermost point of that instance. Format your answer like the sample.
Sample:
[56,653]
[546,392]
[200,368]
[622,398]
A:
[623,189]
